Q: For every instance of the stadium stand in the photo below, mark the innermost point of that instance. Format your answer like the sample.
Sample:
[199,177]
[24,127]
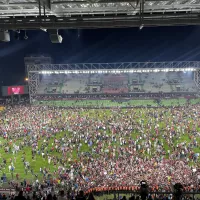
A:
[117,83]
[60,143]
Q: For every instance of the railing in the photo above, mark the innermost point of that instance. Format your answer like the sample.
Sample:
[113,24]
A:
[155,194]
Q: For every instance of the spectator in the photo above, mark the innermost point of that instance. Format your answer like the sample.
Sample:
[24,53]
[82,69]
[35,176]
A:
[62,195]
[20,196]
[49,197]
[91,197]
[80,196]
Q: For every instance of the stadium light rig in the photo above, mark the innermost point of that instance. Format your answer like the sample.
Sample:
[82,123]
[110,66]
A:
[116,71]
[141,26]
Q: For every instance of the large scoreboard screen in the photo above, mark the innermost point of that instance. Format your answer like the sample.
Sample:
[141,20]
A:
[14,90]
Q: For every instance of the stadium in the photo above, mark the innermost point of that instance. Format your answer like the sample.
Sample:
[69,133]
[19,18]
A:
[104,128]
[107,106]
[114,84]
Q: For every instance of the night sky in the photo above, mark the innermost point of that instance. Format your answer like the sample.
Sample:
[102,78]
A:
[100,45]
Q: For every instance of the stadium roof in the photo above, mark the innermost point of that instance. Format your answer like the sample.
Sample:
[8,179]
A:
[115,67]
[57,14]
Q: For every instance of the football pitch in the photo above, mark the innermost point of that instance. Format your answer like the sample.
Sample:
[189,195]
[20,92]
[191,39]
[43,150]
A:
[38,161]
[116,103]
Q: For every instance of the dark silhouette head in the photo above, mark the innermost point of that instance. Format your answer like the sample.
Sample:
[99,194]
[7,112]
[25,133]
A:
[20,193]
[49,197]
[91,197]
[124,198]
[81,193]
[132,198]
[62,193]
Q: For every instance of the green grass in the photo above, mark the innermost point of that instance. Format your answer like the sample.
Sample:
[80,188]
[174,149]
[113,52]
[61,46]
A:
[173,102]
[195,101]
[97,103]
[101,114]
[109,103]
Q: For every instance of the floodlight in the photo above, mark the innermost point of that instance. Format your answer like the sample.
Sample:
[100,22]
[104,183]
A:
[54,36]
[141,26]
[43,29]
[4,36]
